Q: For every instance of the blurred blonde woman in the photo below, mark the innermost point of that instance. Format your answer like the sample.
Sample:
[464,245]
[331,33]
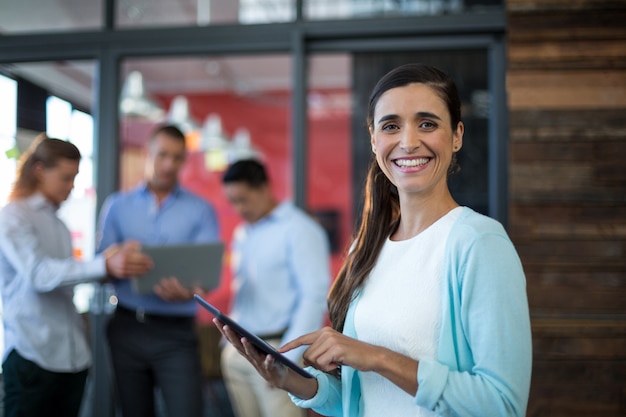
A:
[46,356]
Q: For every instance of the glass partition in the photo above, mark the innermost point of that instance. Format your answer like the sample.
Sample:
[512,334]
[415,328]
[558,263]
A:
[357,9]
[78,212]
[36,16]
[17,17]
[329,149]
[229,107]
[55,98]
[8,150]
[8,129]
[139,13]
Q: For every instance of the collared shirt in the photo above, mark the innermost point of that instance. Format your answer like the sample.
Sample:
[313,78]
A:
[38,272]
[281,274]
[181,218]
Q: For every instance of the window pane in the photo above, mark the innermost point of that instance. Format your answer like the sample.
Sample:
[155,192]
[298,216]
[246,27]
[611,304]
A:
[329,152]
[266,11]
[235,105]
[81,132]
[44,84]
[140,13]
[32,16]
[58,118]
[8,127]
[8,154]
[355,9]
[71,81]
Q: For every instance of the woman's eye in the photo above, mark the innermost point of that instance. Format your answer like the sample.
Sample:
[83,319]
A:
[389,127]
[428,125]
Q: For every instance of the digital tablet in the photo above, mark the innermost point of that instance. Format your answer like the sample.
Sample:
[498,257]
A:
[193,264]
[255,340]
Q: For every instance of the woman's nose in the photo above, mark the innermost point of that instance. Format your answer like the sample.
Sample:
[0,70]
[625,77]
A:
[410,141]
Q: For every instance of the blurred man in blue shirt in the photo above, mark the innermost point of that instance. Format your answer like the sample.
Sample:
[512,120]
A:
[152,337]
[281,276]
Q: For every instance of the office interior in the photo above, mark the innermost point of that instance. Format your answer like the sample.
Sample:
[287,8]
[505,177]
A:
[283,80]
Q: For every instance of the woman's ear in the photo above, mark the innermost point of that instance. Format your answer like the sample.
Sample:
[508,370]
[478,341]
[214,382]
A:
[38,169]
[457,137]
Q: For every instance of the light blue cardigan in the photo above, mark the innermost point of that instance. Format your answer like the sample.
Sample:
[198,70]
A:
[484,356]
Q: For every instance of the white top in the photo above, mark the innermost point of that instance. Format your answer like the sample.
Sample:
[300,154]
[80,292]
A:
[37,275]
[400,309]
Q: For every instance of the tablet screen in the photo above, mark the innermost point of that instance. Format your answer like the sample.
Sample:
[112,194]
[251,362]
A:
[255,340]
[192,264]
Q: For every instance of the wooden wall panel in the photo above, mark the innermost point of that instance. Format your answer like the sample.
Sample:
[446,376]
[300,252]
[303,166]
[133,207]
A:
[567,90]
[566,87]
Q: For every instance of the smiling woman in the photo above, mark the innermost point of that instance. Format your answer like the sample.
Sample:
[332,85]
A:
[454,338]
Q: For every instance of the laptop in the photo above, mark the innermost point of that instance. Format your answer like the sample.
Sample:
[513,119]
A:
[193,264]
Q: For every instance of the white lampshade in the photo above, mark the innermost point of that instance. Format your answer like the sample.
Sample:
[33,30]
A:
[241,147]
[134,102]
[213,136]
[180,116]
[214,143]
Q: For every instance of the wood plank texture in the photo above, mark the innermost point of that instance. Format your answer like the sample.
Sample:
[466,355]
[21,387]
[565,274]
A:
[566,87]
[580,89]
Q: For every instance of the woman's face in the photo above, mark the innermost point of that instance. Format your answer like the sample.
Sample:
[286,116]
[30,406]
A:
[56,183]
[412,138]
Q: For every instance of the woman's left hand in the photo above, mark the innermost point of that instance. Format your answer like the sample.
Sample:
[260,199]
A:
[273,372]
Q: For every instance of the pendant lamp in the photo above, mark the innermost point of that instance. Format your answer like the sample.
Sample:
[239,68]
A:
[135,102]
[241,147]
[214,143]
[180,116]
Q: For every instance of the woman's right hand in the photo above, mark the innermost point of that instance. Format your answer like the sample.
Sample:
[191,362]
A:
[329,349]
[275,373]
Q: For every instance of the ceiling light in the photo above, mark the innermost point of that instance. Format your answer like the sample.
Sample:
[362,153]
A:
[134,102]
[214,143]
[179,115]
[241,147]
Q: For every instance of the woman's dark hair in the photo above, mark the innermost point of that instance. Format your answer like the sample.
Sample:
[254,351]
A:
[44,150]
[381,208]
[250,171]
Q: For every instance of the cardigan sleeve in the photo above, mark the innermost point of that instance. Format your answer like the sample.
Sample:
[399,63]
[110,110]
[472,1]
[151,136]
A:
[327,399]
[485,352]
